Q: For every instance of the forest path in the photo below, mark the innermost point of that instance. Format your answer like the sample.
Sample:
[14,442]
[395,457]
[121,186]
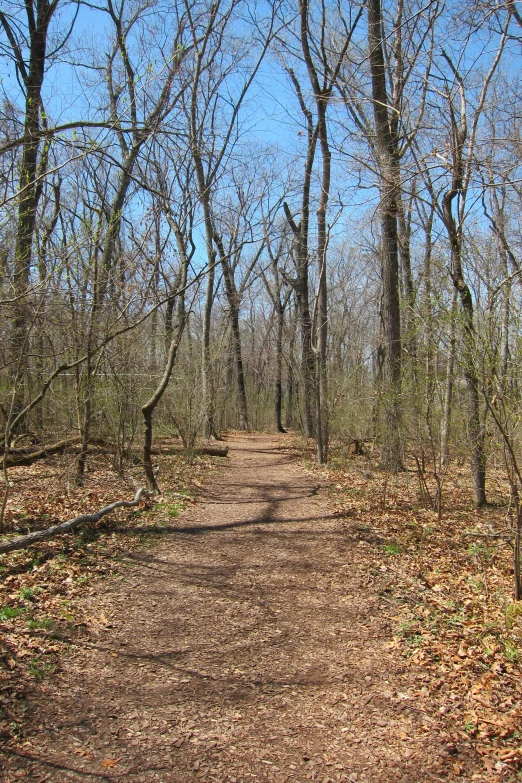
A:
[250,644]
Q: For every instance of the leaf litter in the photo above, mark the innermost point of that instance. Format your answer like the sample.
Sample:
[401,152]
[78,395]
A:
[450,583]
[294,633]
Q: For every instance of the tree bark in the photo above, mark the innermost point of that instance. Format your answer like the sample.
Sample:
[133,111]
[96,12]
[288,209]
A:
[32,170]
[302,298]
[448,386]
[301,283]
[233,305]
[279,368]
[175,340]
[476,430]
[290,380]
[404,239]
[475,427]
[389,184]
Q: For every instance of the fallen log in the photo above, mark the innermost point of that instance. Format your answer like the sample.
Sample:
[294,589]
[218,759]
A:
[211,451]
[67,527]
[27,456]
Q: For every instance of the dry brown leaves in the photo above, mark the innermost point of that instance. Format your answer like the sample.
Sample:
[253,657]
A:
[448,590]
[39,616]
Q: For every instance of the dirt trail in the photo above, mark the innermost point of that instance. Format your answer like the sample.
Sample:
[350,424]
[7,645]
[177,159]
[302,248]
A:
[251,644]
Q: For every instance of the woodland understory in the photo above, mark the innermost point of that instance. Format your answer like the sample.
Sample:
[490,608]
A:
[444,583]
[292,216]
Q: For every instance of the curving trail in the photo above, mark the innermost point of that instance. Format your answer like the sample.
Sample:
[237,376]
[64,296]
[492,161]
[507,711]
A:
[250,644]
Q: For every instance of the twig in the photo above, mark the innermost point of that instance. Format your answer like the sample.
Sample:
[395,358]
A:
[504,536]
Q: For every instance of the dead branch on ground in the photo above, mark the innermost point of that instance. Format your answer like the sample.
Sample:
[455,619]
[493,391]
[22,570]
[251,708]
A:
[67,527]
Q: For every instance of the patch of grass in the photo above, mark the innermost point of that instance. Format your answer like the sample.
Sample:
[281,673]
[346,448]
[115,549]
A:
[512,652]
[456,620]
[9,612]
[45,623]
[186,495]
[410,633]
[392,549]
[489,645]
[480,550]
[477,585]
[172,509]
[26,593]
[39,670]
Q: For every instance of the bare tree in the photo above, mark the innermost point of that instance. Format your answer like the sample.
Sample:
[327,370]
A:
[323,69]
[461,164]
[213,113]
[279,292]
[27,46]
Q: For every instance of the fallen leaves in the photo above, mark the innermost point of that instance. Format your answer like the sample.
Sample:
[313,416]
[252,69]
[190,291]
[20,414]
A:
[83,753]
[460,689]
[39,586]
[109,763]
[453,618]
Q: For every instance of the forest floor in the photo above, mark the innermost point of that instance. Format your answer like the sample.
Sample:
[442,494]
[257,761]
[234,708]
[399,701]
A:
[293,624]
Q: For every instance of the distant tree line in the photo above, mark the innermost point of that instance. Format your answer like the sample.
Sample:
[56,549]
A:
[300,216]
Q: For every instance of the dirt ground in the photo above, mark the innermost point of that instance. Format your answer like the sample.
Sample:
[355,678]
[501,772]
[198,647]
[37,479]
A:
[253,643]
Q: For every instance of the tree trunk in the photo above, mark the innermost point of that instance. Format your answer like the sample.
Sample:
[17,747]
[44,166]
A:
[322,309]
[233,305]
[475,428]
[301,284]
[209,402]
[389,184]
[430,367]
[307,358]
[302,298]
[67,527]
[32,170]
[86,430]
[27,457]
[279,369]
[176,335]
[449,381]
[290,381]
[404,238]
[322,294]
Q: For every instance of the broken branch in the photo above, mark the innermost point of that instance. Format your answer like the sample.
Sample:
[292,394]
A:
[67,527]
